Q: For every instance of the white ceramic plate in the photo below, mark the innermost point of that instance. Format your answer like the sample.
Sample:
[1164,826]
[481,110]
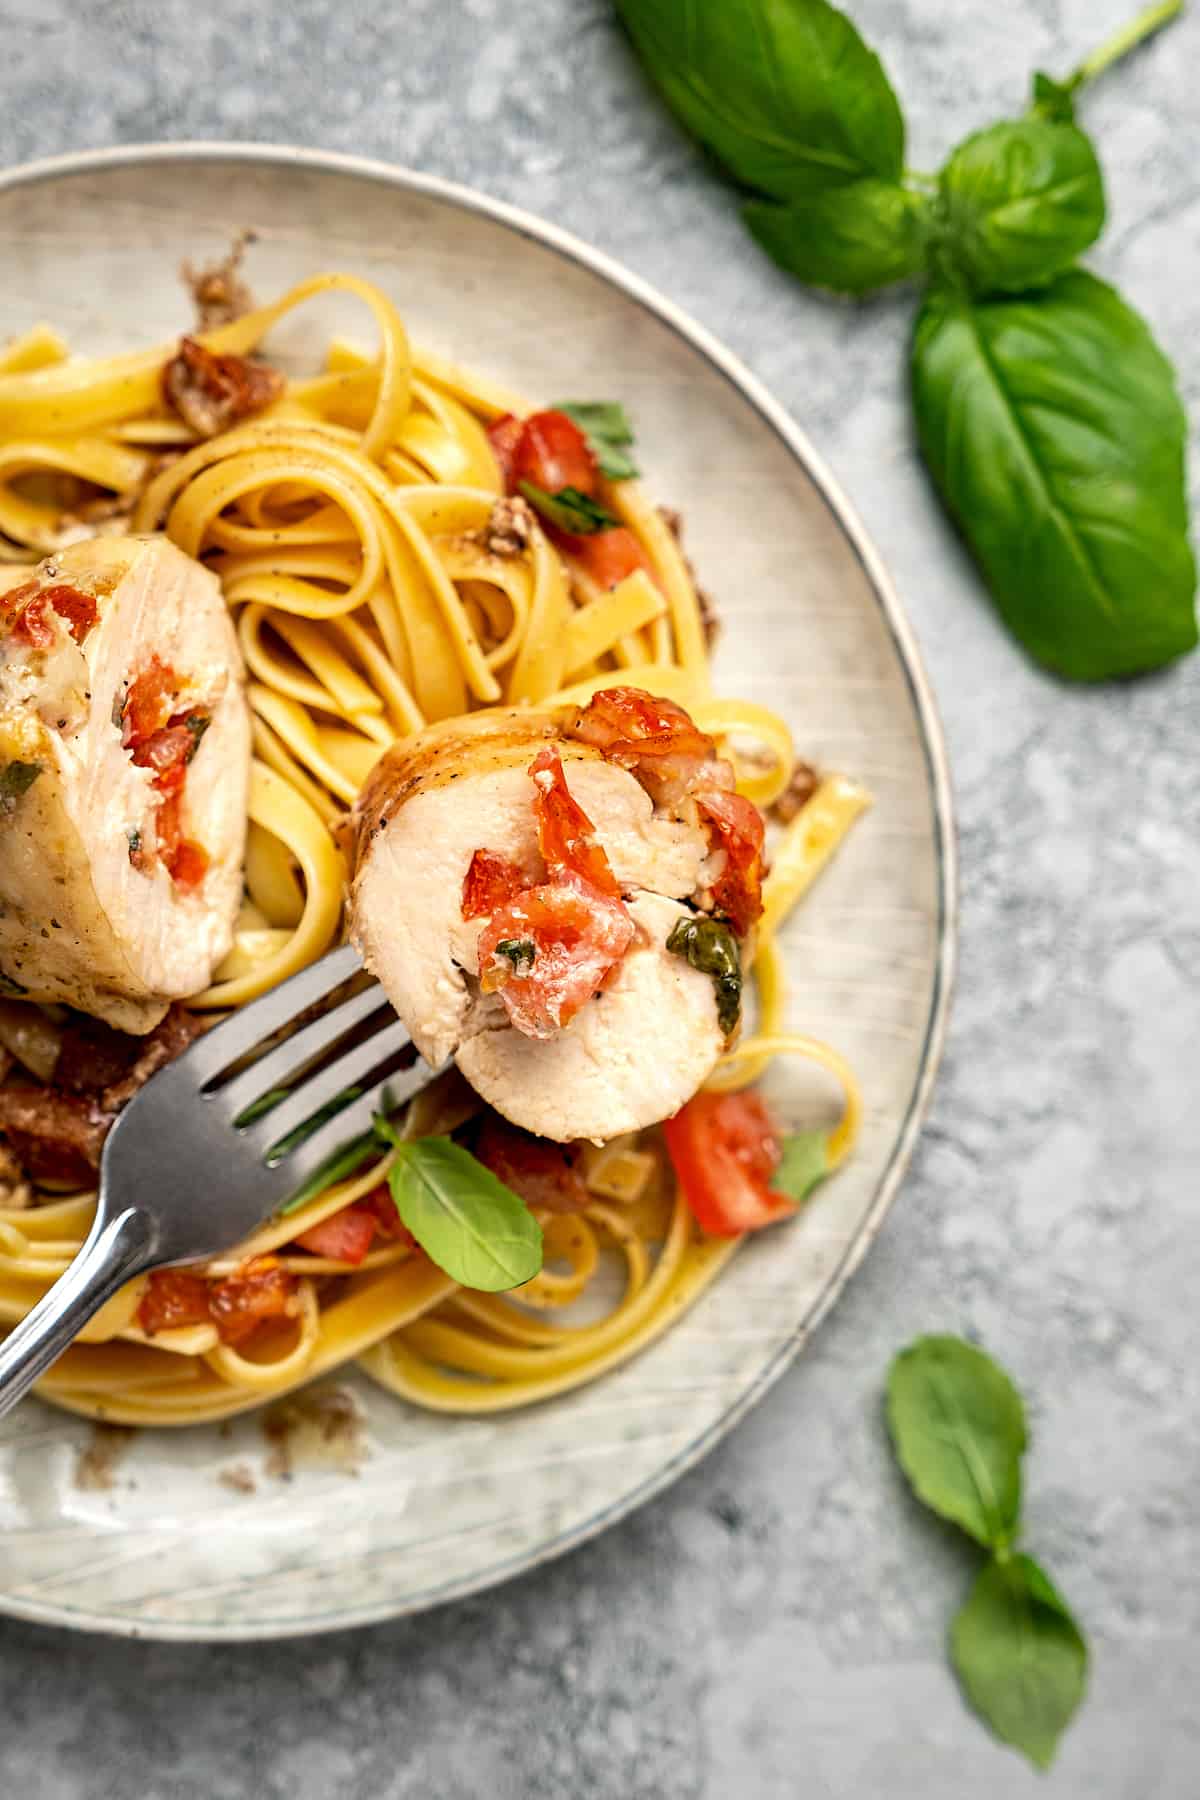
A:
[443,1507]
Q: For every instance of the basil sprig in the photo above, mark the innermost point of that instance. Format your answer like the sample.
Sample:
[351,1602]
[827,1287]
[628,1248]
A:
[607,428]
[958,1427]
[1048,417]
[463,1216]
[570,509]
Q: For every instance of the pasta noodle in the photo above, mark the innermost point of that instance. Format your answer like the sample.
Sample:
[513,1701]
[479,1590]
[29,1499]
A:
[348,526]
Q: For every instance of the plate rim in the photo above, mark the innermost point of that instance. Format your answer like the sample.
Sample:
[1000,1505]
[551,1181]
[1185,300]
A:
[933,746]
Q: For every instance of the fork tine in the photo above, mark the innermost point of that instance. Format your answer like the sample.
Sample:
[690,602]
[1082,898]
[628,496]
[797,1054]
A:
[308,1157]
[279,1065]
[324,1087]
[247,1027]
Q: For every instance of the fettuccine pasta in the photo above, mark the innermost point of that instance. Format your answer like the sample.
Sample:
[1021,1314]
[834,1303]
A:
[352,524]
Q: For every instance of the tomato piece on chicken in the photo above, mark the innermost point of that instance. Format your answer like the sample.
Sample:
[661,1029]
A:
[737,826]
[550,950]
[566,836]
[724,1149]
[552,947]
[491,881]
[654,738]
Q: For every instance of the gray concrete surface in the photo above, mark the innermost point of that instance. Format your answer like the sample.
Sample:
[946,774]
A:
[773,1626]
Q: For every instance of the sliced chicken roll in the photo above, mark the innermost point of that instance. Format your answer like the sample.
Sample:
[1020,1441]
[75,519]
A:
[515,891]
[124,776]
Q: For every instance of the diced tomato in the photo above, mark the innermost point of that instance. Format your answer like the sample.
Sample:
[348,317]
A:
[388,1223]
[724,1149]
[187,865]
[626,724]
[149,702]
[504,434]
[553,453]
[26,612]
[164,740]
[737,826]
[14,603]
[260,1291]
[566,836]
[543,1173]
[579,935]
[165,751]
[345,1236]
[173,1298]
[656,739]
[169,824]
[72,604]
[491,881]
[607,556]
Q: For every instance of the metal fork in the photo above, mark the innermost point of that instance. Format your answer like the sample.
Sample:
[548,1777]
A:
[212,1145]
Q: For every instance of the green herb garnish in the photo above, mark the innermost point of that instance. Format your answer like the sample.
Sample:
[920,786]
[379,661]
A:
[803,1164]
[958,1427]
[1048,417]
[197,724]
[711,948]
[519,953]
[16,779]
[134,839]
[609,433]
[570,509]
[463,1217]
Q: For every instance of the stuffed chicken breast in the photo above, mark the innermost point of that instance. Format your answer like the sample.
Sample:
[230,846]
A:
[523,889]
[124,773]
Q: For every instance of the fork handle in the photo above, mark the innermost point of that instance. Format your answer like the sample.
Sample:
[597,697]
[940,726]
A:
[110,1256]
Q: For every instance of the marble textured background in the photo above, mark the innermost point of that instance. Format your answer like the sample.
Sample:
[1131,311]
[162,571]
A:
[773,1626]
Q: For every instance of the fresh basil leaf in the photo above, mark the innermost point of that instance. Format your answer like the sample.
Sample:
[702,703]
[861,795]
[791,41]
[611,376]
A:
[336,1167]
[608,430]
[803,1164]
[1053,99]
[852,239]
[1019,202]
[570,509]
[958,1426]
[1053,429]
[1020,1656]
[464,1219]
[16,779]
[783,92]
